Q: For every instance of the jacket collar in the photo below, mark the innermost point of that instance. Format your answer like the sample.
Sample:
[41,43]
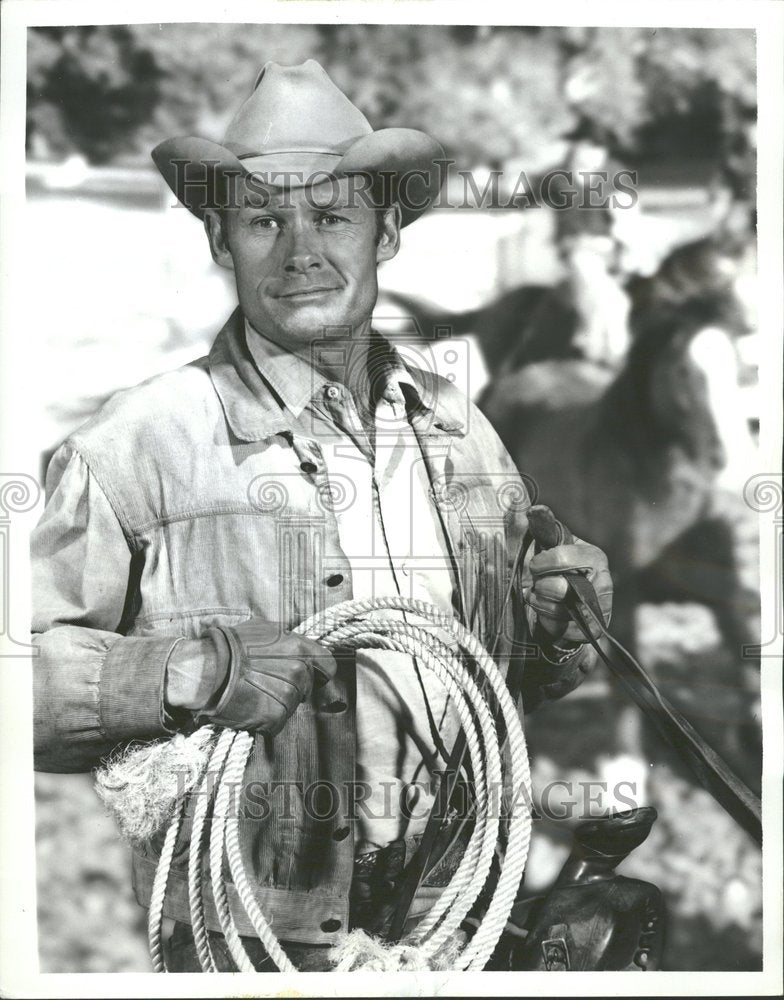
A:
[251,409]
[292,379]
[256,409]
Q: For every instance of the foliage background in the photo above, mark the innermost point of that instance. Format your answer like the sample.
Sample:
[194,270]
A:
[489,94]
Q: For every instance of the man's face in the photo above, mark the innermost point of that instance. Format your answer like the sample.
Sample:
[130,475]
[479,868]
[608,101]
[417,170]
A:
[588,156]
[304,259]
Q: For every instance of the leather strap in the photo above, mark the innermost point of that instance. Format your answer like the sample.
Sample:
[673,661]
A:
[713,773]
[418,866]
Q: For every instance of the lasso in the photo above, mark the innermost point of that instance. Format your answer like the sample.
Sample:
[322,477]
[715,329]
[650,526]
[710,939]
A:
[479,696]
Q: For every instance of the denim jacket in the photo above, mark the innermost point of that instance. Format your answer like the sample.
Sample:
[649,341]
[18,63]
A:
[194,499]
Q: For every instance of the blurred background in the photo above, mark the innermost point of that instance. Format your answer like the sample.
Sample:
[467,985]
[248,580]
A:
[641,319]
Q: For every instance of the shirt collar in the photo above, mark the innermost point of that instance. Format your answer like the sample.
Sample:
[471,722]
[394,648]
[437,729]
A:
[255,408]
[296,381]
[291,377]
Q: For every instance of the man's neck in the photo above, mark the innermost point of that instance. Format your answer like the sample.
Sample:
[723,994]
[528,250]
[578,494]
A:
[347,362]
[340,357]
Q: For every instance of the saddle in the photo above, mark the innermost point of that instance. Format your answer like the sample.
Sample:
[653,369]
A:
[592,918]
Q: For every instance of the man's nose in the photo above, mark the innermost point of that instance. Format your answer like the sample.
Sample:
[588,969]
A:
[301,255]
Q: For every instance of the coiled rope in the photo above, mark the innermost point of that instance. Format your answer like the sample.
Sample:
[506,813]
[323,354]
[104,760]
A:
[480,695]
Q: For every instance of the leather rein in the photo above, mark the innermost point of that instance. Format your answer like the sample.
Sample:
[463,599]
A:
[712,772]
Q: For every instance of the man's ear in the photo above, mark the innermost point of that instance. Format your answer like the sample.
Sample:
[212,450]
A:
[216,226]
[389,238]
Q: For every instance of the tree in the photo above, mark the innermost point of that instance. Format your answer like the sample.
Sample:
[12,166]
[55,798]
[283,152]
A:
[489,94]
[90,88]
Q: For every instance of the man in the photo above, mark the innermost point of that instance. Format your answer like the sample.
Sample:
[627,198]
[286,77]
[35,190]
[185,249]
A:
[199,515]
[588,239]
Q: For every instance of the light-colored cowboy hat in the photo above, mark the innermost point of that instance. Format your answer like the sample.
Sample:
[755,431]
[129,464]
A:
[296,128]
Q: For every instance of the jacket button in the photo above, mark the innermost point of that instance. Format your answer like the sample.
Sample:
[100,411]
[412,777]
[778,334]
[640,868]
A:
[334,707]
[341,833]
[309,467]
[331,925]
[335,580]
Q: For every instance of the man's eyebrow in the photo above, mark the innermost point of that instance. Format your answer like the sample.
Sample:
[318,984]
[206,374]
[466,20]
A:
[325,209]
[338,205]
[280,203]
[258,203]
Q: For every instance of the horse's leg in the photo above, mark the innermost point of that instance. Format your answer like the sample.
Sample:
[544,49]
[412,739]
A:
[736,607]
[703,567]
[629,721]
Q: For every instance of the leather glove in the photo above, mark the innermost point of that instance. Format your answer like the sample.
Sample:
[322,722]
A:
[547,594]
[269,673]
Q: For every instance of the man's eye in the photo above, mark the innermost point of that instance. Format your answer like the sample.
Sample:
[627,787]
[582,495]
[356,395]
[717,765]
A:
[329,219]
[265,222]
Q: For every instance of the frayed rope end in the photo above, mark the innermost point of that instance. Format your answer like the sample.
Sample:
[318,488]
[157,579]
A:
[141,785]
[359,951]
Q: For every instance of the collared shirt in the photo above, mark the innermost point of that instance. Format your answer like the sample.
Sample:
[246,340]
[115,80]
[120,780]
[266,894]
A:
[197,498]
[393,538]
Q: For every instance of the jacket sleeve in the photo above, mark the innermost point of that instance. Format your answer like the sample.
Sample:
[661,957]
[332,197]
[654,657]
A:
[94,688]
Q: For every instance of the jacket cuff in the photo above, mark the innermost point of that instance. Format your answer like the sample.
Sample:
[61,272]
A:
[555,652]
[132,688]
[562,678]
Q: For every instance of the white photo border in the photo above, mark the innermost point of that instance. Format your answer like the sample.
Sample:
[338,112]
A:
[18,930]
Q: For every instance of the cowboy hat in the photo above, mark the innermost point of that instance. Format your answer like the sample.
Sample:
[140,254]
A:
[295,129]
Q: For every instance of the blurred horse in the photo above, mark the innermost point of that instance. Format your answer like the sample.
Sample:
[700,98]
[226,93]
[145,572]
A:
[534,322]
[636,461]
[525,324]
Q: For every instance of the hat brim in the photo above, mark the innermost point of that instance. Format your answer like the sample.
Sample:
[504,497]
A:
[406,160]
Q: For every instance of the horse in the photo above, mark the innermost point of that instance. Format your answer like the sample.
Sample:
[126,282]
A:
[538,322]
[526,324]
[635,460]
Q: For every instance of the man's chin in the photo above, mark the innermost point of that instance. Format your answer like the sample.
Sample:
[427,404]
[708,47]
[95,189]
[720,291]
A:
[309,321]
[308,326]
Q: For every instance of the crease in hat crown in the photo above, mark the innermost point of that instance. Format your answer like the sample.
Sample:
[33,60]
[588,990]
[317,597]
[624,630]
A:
[297,127]
[297,109]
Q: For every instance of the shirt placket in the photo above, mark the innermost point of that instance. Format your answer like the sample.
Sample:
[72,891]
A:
[362,526]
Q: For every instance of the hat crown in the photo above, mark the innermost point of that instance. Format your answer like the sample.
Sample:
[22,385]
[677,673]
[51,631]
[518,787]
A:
[297,129]
[295,109]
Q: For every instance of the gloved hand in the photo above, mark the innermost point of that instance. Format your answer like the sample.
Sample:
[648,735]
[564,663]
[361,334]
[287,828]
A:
[547,594]
[269,672]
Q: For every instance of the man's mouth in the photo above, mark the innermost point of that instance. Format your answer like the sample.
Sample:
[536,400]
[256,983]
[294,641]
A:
[313,291]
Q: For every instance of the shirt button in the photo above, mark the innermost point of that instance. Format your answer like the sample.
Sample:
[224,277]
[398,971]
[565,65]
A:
[335,580]
[331,925]
[332,392]
[393,394]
